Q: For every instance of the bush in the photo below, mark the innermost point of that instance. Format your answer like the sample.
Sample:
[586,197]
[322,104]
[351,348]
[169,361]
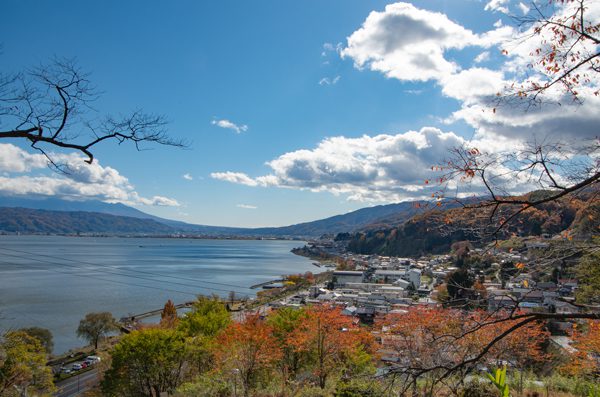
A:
[358,388]
[478,388]
[206,386]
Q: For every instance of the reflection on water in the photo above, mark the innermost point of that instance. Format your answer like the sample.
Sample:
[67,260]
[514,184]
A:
[52,281]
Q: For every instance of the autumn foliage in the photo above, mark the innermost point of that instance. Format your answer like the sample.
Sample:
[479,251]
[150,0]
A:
[432,342]
[330,339]
[586,343]
[249,350]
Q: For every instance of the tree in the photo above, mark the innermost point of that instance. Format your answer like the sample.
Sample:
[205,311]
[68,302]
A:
[588,272]
[23,365]
[331,341]
[565,64]
[586,341]
[566,55]
[432,343]
[96,326]
[459,285]
[43,335]
[168,316]
[248,350]
[146,363]
[50,106]
[284,322]
[208,317]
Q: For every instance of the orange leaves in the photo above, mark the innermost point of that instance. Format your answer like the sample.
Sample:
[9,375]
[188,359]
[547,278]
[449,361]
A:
[520,265]
[435,335]
[248,346]
[329,337]
[586,344]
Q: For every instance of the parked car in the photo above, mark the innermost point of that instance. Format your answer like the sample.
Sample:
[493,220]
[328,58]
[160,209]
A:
[65,370]
[83,365]
[76,367]
[94,359]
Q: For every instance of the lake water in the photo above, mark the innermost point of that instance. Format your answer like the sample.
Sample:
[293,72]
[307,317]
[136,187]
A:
[52,281]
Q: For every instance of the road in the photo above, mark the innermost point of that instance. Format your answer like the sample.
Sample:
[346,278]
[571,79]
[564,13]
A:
[76,385]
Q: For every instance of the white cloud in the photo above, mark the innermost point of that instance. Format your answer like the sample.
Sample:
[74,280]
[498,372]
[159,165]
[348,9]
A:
[524,8]
[329,81]
[472,84]
[380,168]
[369,168]
[224,123]
[407,43]
[247,206]
[14,159]
[234,177]
[410,44]
[81,181]
[187,177]
[483,57]
[390,41]
[330,47]
[497,5]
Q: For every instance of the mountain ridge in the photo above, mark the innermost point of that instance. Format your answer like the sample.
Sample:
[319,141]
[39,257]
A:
[349,222]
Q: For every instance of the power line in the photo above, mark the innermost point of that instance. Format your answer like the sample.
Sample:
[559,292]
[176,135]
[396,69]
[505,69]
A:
[102,279]
[115,273]
[130,270]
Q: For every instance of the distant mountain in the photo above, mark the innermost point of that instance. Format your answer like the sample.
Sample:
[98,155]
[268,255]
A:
[32,221]
[350,222]
[118,209]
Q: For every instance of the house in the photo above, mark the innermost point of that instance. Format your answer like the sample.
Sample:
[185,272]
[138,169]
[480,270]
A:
[414,277]
[388,276]
[366,314]
[343,277]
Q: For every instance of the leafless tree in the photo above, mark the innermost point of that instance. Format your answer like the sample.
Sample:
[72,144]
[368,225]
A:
[566,55]
[567,60]
[51,106]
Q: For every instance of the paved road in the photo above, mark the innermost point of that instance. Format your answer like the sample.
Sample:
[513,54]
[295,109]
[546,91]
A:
[77,384]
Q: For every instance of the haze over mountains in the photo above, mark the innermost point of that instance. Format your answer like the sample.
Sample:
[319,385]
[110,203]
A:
[53,215]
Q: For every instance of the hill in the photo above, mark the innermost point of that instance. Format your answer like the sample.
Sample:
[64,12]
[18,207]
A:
[435,231]
[389,215]
[32,221]
[350,222]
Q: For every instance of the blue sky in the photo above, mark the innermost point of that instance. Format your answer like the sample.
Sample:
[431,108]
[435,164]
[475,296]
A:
[285,77]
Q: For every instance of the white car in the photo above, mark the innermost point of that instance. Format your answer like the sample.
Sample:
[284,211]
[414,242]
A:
[76,367]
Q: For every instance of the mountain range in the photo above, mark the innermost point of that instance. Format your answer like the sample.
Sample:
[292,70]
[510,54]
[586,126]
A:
[53,215]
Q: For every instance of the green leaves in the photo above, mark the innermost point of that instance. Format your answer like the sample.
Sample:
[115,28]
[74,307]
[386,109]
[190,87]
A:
[499,380]
[147,362]
[208,317]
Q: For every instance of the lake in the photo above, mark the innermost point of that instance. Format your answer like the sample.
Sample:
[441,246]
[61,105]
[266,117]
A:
[53,281]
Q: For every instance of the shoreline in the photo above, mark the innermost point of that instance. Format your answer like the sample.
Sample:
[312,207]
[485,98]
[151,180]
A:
[159,236]
[273,261]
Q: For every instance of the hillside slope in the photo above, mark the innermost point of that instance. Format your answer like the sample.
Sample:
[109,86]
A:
[350,222]
[26,220]
[434,231]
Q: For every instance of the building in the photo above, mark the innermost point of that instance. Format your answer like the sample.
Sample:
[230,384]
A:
[343,277]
